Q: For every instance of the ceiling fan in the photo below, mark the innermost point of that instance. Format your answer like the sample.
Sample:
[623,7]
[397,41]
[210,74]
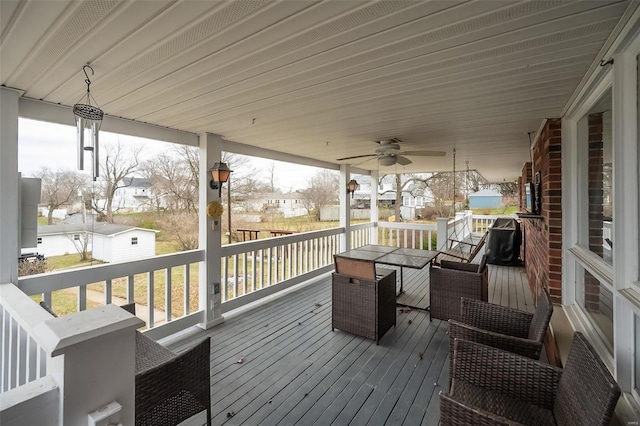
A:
[389,153]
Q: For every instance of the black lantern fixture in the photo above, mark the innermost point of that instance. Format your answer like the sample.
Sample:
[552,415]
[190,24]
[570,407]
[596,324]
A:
[88,117]
[352,186]
[219,174]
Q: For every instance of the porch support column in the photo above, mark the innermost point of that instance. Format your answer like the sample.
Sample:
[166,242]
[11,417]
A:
[374,206]
[9,184]
[210,235]
[345,207]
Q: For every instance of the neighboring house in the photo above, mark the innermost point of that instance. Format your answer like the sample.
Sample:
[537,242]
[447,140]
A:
[485,199]
[412,196]
[136,196]
[290,204]
[108,242]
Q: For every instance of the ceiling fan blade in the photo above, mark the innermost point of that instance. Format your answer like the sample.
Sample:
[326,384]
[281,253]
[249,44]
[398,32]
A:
[403,161]
[356,156]
[425,153]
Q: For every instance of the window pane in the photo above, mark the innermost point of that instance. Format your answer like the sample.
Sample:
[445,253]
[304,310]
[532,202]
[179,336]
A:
[596,299]
[599,189]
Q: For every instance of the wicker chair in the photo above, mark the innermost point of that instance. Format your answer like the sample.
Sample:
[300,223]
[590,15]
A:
[502,327]
[175,390]
[453,280]
[362,303]
[494,387]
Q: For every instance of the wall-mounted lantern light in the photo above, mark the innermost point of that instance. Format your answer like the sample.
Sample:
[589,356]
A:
[352,186]
[219,174]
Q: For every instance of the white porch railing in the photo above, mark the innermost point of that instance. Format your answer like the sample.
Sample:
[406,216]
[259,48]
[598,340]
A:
[23,358]
[407,235]
[251,266]
[361,234]
[480,223]
[47,362]
[158,280]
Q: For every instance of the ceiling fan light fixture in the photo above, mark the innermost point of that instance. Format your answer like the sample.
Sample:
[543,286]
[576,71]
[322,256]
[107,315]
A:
[388,160]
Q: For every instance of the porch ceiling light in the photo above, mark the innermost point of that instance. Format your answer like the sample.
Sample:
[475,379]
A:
[88,117]
[388,160]
[352,186]
[220,173]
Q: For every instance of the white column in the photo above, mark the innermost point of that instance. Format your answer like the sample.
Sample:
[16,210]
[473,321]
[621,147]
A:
[441,228]
[9,184]
[345,207]
[210,235]
[374,206]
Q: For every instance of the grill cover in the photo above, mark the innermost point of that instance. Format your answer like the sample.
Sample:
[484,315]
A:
[503,242]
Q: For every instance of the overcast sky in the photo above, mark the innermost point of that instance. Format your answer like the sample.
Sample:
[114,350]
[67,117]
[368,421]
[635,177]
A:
[54,145]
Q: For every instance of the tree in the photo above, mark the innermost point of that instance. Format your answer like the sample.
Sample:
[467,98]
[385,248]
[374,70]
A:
[183,227]
[322,191]
[172,180]
[59,188]
[413,184]
[81,243]
[118,164]
[271,172]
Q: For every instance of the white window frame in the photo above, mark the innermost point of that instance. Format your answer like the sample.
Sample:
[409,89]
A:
[134,241]
[623,276]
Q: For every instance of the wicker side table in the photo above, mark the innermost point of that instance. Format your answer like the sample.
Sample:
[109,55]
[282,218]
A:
[366,308]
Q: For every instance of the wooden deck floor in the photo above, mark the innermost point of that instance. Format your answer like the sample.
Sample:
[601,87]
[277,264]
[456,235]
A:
[295,370]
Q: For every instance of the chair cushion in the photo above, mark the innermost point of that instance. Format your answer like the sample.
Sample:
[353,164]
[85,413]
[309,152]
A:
[501,405]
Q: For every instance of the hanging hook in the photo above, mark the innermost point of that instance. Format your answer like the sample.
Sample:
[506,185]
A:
[84,69]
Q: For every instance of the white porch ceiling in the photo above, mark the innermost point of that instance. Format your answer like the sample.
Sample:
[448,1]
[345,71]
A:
[319,79]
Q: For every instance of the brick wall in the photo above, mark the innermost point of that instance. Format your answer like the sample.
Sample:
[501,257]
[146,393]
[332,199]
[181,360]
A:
[543,234]
[543,257]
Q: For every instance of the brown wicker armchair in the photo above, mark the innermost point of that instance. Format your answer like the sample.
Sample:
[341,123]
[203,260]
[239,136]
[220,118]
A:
[174,390]
[491,386]
[502,327]
[453,280]
[362,303]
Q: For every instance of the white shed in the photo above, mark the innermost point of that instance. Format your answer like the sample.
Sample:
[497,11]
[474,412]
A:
[120,243]
[58,240]
[108,242]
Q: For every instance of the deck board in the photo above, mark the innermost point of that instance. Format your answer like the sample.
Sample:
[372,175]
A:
[295,370]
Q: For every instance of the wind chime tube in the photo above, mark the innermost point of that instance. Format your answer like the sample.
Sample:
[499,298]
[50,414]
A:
[80,129]
[95,127]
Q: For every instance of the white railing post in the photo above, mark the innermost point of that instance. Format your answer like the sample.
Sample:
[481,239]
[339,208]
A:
[210,234]
[9,186]
[373,211]
[93,362]
[345,207]
[442,224]
[469,219]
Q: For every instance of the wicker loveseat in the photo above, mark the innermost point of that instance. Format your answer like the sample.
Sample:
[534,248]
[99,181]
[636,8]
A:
[453,280]
[505,328]
[495,387]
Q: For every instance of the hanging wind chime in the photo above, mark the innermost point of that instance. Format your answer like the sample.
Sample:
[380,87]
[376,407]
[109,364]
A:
[88,117]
